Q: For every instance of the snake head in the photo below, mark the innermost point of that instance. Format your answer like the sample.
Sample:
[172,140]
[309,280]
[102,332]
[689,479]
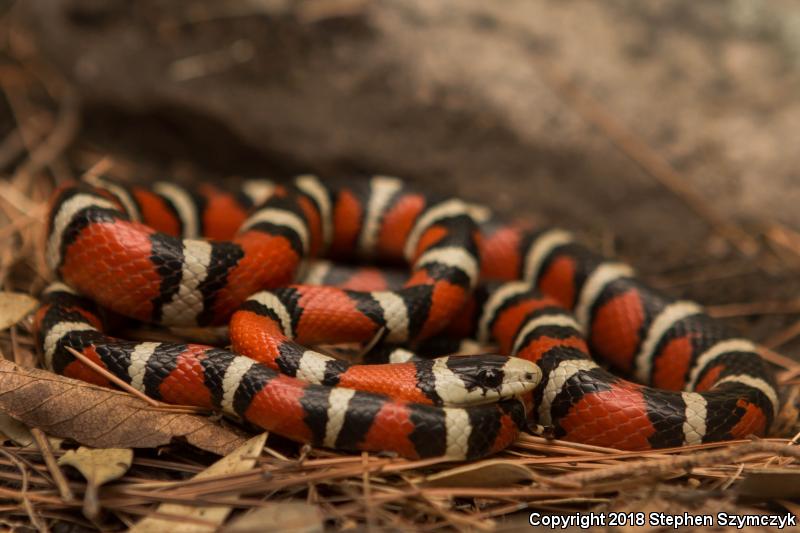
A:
[466,380]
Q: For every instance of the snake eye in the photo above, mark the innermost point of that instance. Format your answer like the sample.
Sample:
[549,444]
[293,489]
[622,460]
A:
[490,378]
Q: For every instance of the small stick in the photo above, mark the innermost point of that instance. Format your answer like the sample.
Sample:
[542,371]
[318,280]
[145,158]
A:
[731,479]
[61,135]
[14,144]
[99,168]
[778,359]
[111,377]
[372,342]
[367,491]
[784,237]
[26,503]
[783,336]
[776,307]
[681,463]
[276,454]
[705,274]
[787,376]
[775,458]
[127,388]
[52,465]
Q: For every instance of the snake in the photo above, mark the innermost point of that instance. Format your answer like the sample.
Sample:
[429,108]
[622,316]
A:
[560,317]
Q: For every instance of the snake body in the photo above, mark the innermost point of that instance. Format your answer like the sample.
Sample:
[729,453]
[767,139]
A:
[172,256]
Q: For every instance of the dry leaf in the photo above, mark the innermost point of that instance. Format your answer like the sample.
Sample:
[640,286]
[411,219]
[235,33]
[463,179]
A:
[297,517]
[15,430]
[100,417]
[242,459]
[14,306]
[98,467]
[768,483]
[491,473]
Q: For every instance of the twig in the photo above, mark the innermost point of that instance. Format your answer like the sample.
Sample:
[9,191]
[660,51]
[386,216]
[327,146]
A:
[111,377]
[788,376]
[783,336]
[778,359]
[705,274]
[103,165]
[127,388]
[14,143]
[213,62]
[21,222]
[370,511]
[731,479]
[776,307]
[668,466]
[372,342]
[786,238]
[52,465]
[60,137]
[26,503]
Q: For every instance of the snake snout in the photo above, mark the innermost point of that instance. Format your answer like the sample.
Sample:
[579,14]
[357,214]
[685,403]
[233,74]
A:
[526,371]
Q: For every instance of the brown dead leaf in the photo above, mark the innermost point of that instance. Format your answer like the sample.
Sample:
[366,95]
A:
[14,430]
[298,517]
[771,482]
[242,459]
[98,467]
[14,306]
[17,432]
[491,473]
[99,417]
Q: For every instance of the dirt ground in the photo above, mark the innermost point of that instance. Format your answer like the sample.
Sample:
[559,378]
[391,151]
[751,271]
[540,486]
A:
[664,133]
